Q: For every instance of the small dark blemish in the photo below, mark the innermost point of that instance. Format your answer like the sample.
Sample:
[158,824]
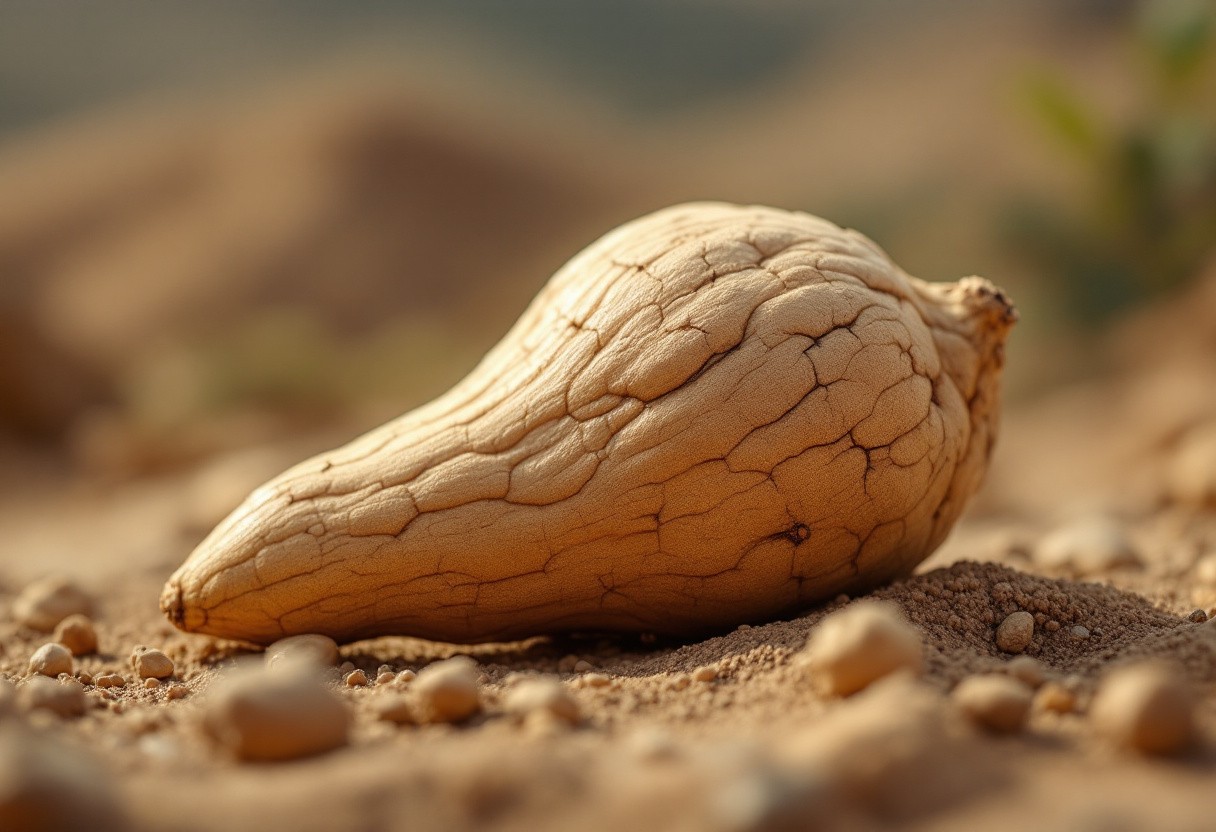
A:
[796,533]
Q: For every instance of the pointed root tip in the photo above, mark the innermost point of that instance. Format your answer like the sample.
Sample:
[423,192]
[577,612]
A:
[988,302]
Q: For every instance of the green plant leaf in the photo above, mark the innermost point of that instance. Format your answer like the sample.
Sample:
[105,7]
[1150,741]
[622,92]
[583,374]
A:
[1179,34]
[1064,113]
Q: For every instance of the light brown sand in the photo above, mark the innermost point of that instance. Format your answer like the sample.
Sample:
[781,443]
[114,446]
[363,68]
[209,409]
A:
[754,748]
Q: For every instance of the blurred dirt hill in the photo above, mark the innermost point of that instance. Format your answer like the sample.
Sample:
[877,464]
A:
[352,199]
[353,204]
[187,275]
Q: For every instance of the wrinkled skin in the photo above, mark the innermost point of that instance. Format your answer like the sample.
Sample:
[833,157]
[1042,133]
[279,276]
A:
[712,415]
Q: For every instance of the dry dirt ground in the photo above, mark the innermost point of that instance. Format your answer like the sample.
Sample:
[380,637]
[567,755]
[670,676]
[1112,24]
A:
[1125,467]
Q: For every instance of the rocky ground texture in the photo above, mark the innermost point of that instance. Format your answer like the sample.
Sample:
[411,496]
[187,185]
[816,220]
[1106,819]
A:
[1055,662]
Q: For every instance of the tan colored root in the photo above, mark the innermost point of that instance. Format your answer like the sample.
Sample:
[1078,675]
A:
[711,415]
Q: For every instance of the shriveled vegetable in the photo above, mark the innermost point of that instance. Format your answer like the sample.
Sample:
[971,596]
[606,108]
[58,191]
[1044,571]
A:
[712,415]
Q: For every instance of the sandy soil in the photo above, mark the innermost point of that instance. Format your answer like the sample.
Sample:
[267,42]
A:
[757,746]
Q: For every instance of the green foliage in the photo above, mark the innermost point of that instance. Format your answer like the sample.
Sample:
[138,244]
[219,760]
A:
[1145,218]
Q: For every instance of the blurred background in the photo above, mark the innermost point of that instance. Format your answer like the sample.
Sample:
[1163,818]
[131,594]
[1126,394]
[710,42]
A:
[231,226]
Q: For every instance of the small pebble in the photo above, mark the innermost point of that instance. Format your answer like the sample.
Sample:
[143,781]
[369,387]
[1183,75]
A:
[448,691]
[356,678]
[160,748]
[1056,698]
[747,796]
[256,714]
[1197,617]
[406,676]
[1145,707]
[64,699]
[76,632]
[346,667]
[995,702]
[680,681]
[583,666]
[48,785]
[396,709]
[596,680]
[46,602]
[176,692]
[1074,682]
[151,683]
[1079,633]
[150,663]
[84,677]
[856,646]
[109,680]
[1015,632]
[543,693]
[50,660]
[1205,570]
[384,677]
[705,673]
[319,650]
[1191,475]
[1092,546]
[651,744]
[1027,670]
[886,740]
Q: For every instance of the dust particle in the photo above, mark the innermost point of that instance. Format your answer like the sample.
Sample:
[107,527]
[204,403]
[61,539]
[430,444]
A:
[76,632]
[448,691]
[1145,707]
[46,602]
[51,659]
[994,702]
[255,714]
[860,644]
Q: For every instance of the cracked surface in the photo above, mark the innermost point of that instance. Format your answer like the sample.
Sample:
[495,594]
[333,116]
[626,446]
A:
[711,415]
